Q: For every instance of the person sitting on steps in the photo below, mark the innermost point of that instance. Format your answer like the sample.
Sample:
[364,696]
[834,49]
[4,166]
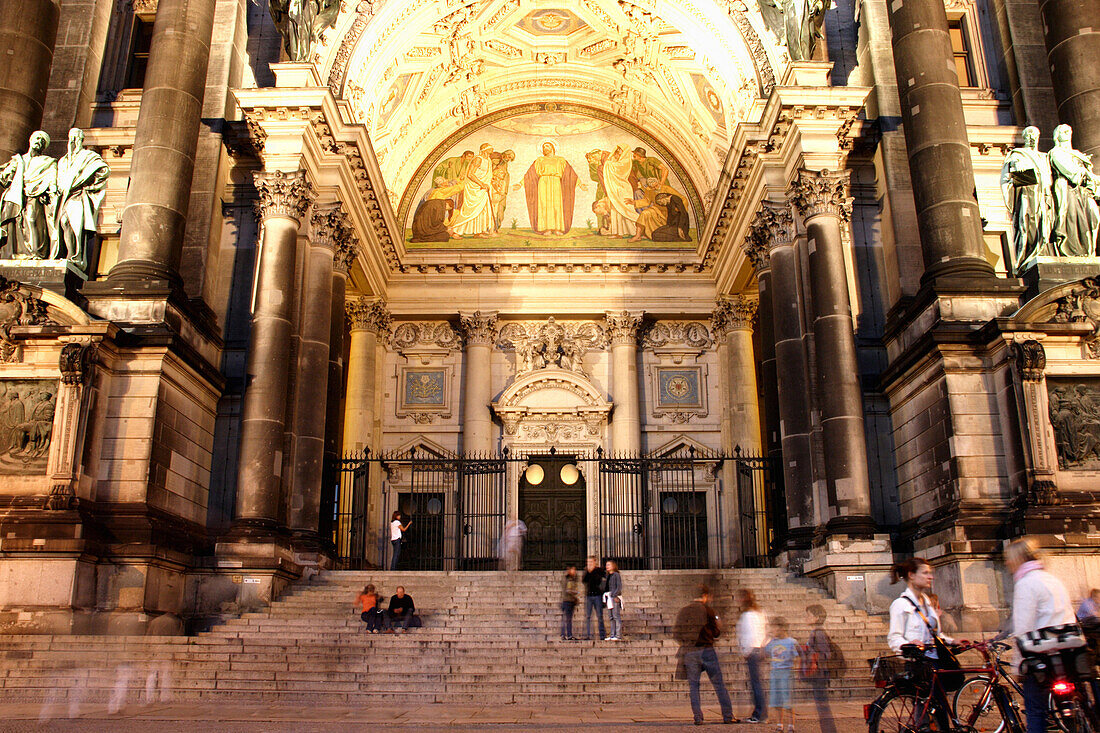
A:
[370,603]
[401,611]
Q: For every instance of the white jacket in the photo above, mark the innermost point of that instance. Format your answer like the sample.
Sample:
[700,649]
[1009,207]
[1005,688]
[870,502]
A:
[906,625]
[752,631]
[1039,600]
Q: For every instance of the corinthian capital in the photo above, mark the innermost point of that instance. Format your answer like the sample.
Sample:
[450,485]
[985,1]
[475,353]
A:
[478,328]
[773,226]
[735,313]
[283,194]
[330,225]
[755,248]
[368,314]
[623,327]
[347,249]
[815,193]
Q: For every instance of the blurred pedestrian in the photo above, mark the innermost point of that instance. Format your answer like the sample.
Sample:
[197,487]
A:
[696,629]
[782,653]
[1090,606]
[594,583]
[614,600]
[510,548]
[570,595]
[751,636]
[817,660]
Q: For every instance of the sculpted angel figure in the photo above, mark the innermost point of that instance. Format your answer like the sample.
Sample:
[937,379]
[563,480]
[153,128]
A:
[1026,187]
[301,22]
[796,22]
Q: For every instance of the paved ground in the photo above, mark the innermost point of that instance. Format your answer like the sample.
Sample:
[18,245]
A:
[191,718]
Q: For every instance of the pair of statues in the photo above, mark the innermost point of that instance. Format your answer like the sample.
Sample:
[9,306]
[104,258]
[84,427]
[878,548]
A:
[1052,198]
[48,207]
[301,23]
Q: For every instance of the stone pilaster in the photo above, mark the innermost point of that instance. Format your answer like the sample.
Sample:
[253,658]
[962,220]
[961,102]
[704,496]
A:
[479,331]
[936,141]
[774,225]
[821,198]
[1073,52]
[165,144]
[367,317]
[28,31]
[284,198]
[626,424]
[1031,362]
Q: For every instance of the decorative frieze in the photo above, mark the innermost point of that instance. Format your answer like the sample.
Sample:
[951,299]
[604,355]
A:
[17,308]
[677,333]
[1082,305]
[736,313]
[282,194]
[622,328]
[824,192]
[367,314]
[551,344]
[478,328]
[439,334]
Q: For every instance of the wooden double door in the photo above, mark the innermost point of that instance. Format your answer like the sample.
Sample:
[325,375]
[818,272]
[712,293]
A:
[554,512]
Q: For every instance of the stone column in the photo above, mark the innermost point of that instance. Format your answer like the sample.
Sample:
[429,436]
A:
[821,198]
[774,224]
[329,226]
[626,422]
[368,318]
[1073,50]
[756,249]
[479,331]
[346,252]
[284,198]
[935,136]
[28,30]
[165,142]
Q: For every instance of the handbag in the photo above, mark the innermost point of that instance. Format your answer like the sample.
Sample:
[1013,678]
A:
[946,662]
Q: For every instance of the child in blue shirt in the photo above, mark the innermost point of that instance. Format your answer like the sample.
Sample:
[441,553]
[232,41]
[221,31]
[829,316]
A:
[782,652]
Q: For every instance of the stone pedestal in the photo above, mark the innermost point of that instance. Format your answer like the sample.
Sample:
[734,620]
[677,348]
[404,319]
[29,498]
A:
[60,276]
[1047,272]
[855,571]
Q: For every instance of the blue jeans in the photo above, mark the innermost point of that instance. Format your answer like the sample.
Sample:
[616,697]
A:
[567,608]
[616,613]
[754,661]
[705,659]
[396,553]
[1035,705]
[593,604]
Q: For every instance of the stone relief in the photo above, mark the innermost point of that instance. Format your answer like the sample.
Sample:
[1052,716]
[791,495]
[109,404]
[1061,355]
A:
[668,333]
[301,23]
[1075,417]
[441,334]
[49,208]
[551,344]
[26,424]
[17,308]
[1082,305]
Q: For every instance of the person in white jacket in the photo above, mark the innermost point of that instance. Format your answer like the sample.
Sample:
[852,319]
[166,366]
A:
[1039,600]
[912,615]
[752,634]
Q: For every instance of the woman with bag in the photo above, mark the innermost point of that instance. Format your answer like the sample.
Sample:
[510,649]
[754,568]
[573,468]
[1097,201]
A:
[913,620]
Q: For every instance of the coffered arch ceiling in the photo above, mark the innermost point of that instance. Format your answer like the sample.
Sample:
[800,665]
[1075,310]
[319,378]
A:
[415,71]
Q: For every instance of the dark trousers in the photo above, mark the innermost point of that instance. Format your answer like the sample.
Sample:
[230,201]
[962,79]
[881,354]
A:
[705,659]
[1035,705]
[373,618]
[396,553]
[754,661]
[399,620]
[819,689]
[593,604]
[567,608]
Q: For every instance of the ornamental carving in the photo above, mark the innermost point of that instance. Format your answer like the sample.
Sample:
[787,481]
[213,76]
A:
[674,333]
[478,328]
[347,249]
[438,334]
[366,314]
[1075,416]
[773,225]
[551,344]
[26,425]
[282,194]
[330,226]
[1082,305]
[75,363]
[1031,360]
[17,308]
[736,313]
[622,328]
[824,192]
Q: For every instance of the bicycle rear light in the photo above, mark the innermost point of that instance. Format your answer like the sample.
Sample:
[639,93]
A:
[1062,687]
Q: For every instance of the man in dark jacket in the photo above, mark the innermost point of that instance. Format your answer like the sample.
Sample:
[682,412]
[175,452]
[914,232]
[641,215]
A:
[593,580]
[401,610]
[696,629]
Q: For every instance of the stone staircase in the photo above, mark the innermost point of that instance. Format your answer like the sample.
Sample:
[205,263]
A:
[490,637]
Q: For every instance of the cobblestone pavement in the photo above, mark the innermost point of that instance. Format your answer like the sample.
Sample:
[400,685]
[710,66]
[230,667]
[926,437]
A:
[191,718]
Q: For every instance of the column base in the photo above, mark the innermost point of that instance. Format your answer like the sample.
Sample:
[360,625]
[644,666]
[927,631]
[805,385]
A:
[251,571]
[855,570]
[853,526]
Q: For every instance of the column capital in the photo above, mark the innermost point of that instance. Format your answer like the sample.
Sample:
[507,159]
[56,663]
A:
[330,225]
[368,314]
[478,328]
[347,249]
[755,247]
[774,225]
[282,194]
[623,326]
[823,192]
[1031,360]
[734,313]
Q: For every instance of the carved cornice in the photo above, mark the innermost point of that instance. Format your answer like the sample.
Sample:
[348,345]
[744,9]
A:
[773,225]
[368,314]
[18,308]
[672,333]
[330,226]
[478,328]
[824,192]
[282,194]
[736,313]
[622,328]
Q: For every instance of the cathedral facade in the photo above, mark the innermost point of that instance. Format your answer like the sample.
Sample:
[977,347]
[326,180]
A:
[691,283]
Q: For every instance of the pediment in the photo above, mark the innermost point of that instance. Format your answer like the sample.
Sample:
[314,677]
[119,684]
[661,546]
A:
[552,390]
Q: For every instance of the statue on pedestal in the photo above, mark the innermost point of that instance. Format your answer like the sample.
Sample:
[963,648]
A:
[1026,187]
[301,22]
[28,187]
[797,23]
[1075,188]
[81,186]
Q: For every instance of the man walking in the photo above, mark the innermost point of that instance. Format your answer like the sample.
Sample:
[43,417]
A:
[593,596]
[697,627]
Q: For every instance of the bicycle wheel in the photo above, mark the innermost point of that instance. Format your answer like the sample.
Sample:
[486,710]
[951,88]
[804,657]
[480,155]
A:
[975,707]
[898,712]
[1077,720]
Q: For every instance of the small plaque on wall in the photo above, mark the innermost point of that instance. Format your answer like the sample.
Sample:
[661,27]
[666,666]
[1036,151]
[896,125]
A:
[679,388]
[424,390]
[26,425]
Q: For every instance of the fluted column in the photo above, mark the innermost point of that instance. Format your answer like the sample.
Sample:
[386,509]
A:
[821,198]
[368,318]
[1073,49]
[935,137]
[626,422]
[284,198]
[28,30]
[479,331]
[329,227]
[346,251]
[774,224]
[165,142]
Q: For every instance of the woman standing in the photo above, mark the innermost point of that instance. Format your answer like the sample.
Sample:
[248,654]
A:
[397,531]
[913,619]
[1039,600]
[752,634]
[614,600]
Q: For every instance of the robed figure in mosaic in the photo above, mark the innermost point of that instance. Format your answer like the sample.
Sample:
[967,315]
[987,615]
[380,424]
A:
[81,186]
[550,184]
[1026,186]
[1075,187]
[27,188]
[475,217]
[622,214]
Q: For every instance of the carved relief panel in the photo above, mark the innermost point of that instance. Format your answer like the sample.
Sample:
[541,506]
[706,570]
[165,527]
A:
[1074,409]
[26,424]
